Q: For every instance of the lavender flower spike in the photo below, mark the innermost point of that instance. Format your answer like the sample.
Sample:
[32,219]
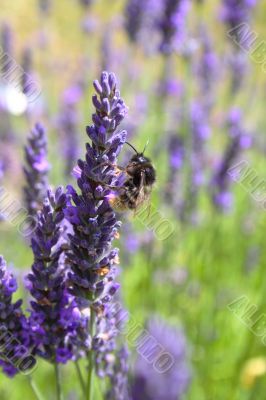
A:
[54,316]
[14,330]
[36,169]
[91,255]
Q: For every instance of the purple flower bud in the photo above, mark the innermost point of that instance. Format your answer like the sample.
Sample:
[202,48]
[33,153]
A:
[97,87]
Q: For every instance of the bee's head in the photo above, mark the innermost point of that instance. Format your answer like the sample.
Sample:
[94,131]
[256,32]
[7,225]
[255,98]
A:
[139,159]
[140,164]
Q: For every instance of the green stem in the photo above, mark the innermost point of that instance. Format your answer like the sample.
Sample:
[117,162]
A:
[81,380]
[59,395]
[90,362]
[35,388]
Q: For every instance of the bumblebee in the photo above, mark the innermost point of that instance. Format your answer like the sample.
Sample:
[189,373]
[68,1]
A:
[140,177]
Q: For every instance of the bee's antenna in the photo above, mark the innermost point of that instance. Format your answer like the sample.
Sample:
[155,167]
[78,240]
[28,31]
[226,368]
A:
[145,146]
[132,147]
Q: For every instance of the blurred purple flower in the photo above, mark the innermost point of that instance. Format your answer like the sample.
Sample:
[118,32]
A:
[13,324]
[141,22]
[207,68]
[85,3]
[171,87]
[89,24]
[7,47]
[134,13]
[72,95]
[238,140]
[45,6]
[36,169]
[200,132]
[68,126]
[237,63]
[26,79]
[119,376]
[199,125]
[234,12]
[132,243]
[172,25]
[150,384]
[106,337]
[176,152]
[2,169]
[223,200]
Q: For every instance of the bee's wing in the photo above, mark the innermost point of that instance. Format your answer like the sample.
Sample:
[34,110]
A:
[144,192]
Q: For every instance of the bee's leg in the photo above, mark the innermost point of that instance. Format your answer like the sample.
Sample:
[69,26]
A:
[110,186]
[114,187]
[122,169]
[107,185]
